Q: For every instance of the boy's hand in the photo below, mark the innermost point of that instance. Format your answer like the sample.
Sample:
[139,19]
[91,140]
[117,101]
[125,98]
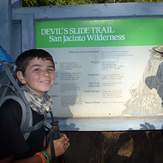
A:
[61,145]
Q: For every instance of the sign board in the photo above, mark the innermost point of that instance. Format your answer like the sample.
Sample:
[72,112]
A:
[106,68]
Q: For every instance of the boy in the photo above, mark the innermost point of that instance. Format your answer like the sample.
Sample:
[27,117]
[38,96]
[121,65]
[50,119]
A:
[35,69]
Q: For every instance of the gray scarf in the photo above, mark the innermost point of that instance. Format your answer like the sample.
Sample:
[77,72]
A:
[40,104]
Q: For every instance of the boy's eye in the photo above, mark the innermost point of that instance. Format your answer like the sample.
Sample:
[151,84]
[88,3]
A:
[50,69]
[36,69]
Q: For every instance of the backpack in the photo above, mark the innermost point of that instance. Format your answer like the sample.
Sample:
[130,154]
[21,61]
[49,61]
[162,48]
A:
[10,89]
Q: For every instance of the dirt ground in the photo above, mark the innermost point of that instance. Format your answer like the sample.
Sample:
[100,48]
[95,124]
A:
[115,147]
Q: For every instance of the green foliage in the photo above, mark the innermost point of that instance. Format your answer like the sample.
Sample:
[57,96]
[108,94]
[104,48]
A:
[28,3]
[72,2]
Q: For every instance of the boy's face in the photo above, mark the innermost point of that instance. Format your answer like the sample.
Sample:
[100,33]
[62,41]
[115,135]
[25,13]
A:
[39,75]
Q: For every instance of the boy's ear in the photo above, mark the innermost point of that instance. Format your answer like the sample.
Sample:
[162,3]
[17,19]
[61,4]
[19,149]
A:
[20,77]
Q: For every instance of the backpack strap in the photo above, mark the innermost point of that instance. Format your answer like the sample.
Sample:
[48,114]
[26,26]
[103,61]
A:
[26,120]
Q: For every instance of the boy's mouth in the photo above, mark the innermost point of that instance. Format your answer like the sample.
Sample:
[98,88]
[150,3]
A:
[46,81]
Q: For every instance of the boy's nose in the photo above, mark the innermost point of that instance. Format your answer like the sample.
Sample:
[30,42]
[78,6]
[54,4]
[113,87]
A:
[45,72]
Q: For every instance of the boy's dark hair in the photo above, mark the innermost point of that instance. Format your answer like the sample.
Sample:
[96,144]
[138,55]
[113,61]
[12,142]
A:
[25,57]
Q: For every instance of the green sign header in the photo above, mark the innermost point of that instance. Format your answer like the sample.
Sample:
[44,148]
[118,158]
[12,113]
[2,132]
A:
[99,33]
